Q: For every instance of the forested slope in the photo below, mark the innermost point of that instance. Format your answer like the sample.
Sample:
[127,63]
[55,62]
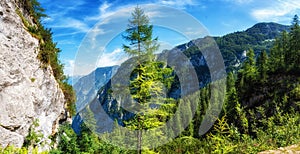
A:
[261,109]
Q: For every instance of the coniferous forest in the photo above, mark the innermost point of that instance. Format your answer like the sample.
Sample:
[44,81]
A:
[260,110]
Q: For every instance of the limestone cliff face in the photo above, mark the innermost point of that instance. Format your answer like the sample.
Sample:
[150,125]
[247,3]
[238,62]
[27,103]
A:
[27,91]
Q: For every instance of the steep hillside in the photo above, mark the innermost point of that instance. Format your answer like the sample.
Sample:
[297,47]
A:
[87,87]
[232,47]
[31,99]
[261,103]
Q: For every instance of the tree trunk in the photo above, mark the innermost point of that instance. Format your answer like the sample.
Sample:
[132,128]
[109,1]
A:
[139,137]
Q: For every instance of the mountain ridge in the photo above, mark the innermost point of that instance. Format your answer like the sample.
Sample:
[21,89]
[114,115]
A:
[270,29]
[87,86]
[199,62]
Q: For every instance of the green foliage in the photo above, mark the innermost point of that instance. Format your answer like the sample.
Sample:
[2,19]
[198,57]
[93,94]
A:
[70,97]
[259,38]
[86,142]
[33,139]
[231,100]
[34,9]
[261,109]
[220,141]
[262,64]
[67,140]
[149,80]
[32,79]
[280,57]
[249,69]
[139,34]
[286,51]
[48,52]
[15,150]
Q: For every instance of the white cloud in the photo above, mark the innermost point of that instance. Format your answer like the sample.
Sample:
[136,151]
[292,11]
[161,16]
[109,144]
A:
[60,16]
[116,57]
[279,11]
[66,34]
[103,8]
[69,67]
[240,1]
[48,19]
[104,12]
[59,9]
[178,3]
[194,32]
[66,42]
[163,45]
[115,23]
[71,23]
[181,4]
[226,24]
[154,14]
[96,31]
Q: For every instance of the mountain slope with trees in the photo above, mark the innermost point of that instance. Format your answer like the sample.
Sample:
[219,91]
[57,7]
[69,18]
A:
[232,47]
[262,102]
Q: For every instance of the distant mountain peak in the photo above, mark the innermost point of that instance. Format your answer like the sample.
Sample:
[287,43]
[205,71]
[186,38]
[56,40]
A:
[271,29]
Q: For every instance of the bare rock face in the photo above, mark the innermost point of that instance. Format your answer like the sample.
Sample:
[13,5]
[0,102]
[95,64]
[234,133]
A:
[27,91]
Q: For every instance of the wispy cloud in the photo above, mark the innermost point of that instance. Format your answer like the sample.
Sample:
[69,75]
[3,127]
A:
[239,2]
[181,4]
[112,58]
[111,19]
[104,12]
[93,34]
[103,8]
[226,24]
[107,11]
[69,67]
[59,9]
[178,3]
[71,23]
[64,18]
[279,11]
[194,32]
[66,34]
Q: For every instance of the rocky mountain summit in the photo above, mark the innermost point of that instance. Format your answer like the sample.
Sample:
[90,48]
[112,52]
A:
[28,92]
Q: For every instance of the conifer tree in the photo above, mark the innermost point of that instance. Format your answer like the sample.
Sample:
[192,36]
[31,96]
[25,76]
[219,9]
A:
[139,34]
[285,50]
[231,100]
[150,79]
[247,74]
[249,68]
[295,41]
[262,63]
[187,116]
[280,53]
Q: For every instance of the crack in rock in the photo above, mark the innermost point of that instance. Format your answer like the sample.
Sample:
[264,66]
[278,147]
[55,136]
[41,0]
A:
[11,128]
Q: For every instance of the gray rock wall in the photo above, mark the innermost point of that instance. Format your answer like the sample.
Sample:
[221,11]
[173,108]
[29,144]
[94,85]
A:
[27,92]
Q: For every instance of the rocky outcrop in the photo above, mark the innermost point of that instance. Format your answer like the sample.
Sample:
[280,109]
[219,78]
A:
[28,92]
[293,149]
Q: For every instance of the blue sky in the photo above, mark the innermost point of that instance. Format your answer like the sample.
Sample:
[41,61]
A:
[89,31]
